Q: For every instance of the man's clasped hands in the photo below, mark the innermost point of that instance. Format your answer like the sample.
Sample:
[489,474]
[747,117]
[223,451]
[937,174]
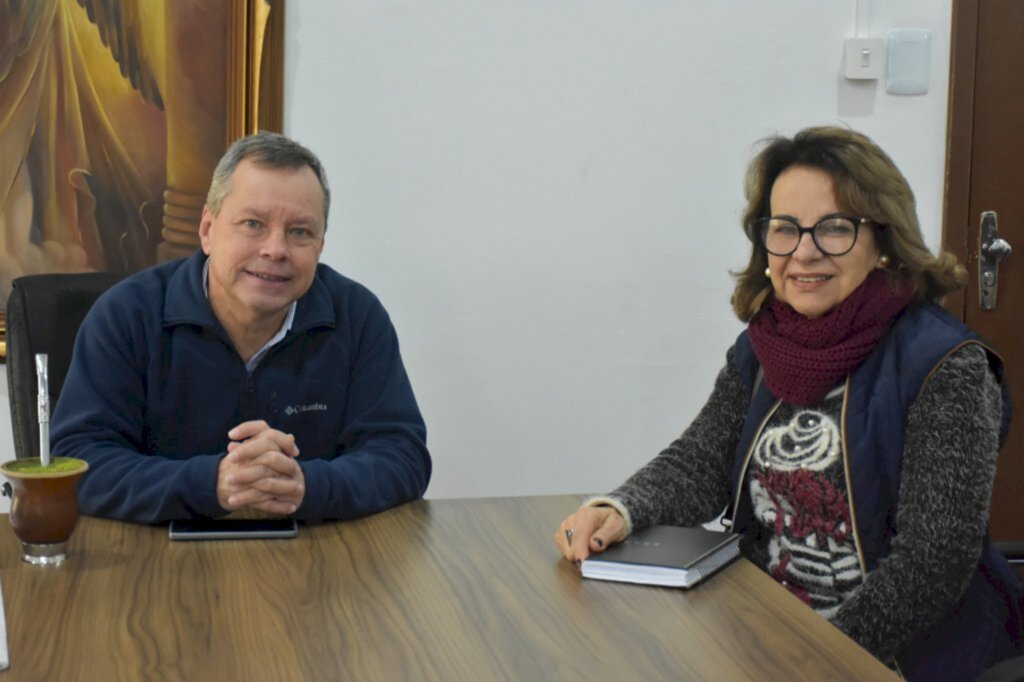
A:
[260,470]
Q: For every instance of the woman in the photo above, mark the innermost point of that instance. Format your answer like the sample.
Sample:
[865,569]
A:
[852,434]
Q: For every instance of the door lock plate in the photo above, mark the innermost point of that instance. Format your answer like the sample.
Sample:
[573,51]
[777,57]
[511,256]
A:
[991,250]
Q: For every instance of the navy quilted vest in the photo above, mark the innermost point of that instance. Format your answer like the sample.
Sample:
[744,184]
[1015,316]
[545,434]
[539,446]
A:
[985,626]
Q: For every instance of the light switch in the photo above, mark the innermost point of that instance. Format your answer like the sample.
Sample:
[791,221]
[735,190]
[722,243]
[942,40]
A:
[907,61]
[864,58]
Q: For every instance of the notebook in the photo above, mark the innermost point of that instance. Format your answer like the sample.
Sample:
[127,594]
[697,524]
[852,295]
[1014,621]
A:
[668,556]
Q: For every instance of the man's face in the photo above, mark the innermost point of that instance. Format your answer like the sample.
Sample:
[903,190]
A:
[264,244]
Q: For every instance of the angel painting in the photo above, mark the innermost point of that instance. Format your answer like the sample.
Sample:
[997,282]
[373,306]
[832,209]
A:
[82,137]
[113,114]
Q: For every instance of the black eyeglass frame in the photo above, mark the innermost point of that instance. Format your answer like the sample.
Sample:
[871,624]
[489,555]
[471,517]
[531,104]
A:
[759,228]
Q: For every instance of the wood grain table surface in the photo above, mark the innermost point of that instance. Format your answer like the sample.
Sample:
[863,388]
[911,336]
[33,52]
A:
[468,589]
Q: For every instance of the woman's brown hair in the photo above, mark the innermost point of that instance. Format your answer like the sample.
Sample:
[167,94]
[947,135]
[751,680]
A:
[868,184]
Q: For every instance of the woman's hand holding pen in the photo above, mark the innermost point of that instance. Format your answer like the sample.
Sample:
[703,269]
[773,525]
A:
[260,470]
[589,530]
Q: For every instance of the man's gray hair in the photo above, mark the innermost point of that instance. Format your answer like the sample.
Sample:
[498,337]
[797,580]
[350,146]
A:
[271,150]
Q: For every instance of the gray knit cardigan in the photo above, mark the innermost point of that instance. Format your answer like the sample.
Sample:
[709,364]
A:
[949,460]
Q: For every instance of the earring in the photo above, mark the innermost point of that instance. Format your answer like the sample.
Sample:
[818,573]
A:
[768,272]
[883,261]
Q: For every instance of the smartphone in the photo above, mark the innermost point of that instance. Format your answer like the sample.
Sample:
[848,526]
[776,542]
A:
[233,529]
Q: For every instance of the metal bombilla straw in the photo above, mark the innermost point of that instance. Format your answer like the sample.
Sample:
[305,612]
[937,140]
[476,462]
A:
[42,375]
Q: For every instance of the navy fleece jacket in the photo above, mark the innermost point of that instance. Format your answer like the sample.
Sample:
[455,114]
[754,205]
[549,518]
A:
[155,385]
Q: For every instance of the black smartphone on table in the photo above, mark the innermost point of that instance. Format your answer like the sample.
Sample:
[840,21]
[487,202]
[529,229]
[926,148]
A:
[233,529]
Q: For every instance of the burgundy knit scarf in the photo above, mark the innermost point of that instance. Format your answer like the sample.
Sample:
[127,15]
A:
[804,358]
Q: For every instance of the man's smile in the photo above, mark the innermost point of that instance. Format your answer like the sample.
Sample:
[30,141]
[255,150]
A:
[268,277]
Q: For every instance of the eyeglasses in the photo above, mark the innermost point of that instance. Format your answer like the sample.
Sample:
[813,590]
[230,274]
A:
[834,235]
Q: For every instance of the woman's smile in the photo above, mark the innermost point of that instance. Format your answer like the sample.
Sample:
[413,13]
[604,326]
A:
[811,282]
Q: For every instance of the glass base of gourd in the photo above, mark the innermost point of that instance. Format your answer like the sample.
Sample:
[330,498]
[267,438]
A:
[44,554]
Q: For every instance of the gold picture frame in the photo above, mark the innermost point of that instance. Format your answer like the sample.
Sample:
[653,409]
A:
[113,114]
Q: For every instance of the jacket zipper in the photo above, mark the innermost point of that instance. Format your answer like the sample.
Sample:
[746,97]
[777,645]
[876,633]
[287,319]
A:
[849,483]
[746,462]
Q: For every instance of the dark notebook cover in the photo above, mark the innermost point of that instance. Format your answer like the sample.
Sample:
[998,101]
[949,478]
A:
[664,555]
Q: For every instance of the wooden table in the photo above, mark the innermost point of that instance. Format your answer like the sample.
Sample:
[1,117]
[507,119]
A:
[435,590]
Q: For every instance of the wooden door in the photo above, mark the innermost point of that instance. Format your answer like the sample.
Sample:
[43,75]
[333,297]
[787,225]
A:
[986,173]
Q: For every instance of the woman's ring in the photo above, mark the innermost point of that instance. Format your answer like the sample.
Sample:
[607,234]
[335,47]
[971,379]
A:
[568,536]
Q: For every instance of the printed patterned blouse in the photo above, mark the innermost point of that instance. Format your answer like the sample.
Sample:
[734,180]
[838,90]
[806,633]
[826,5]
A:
[798,489]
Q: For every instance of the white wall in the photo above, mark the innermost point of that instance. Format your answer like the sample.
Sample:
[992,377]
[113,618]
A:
[545,195]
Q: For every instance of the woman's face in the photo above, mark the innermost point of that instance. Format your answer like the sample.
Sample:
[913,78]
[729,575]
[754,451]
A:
[811,282]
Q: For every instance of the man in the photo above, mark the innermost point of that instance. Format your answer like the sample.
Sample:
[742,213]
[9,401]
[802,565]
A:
[248,375]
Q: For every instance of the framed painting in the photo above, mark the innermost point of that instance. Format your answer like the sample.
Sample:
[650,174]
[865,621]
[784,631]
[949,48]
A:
[113,114]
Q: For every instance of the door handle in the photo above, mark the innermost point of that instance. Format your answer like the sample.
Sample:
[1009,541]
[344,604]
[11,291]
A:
[991,250]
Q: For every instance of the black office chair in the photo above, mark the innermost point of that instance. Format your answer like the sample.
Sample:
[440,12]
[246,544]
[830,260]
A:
[1013,550]
[1011,670]
[43,316]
